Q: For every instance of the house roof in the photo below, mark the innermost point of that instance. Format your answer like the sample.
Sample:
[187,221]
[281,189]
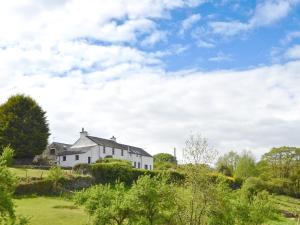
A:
[74,151]
[114,144]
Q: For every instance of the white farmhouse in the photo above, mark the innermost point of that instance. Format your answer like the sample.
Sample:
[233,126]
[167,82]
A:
[87,149]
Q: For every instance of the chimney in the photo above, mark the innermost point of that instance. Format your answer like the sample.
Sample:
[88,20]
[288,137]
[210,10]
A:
[113,138]
[83,133]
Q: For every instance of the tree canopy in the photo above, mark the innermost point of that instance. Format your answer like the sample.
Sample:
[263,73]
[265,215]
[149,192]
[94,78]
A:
[23,126]
[164,157]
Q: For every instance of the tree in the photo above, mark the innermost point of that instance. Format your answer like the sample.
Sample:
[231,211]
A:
[198,151]
[153,200]
[227,163]
[283,161]
[106,204]
[164,157]
[246,166]
[164,161]
[8,184]
[23,126]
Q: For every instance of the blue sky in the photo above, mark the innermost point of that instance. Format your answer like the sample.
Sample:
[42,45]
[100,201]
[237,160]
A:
[150,72]
[246,49]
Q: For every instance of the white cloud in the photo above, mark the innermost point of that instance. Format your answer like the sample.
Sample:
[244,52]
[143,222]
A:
[293,52]
[189,22]
[79,62]
[265,13]
[154,38]
[290,37]
[156,110]
[220,57]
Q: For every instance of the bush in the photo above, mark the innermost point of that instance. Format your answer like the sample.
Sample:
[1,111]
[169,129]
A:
[111,160]
[82,168]
[111,172]
[46,187]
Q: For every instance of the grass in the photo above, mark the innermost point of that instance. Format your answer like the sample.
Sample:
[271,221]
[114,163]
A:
[22,172]
[37,173]
[286,204]
[49,211]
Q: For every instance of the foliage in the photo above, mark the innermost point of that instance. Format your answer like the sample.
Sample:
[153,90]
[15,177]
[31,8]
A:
[227,163]
[112,160]
[23,126]
[148,201]
[105,173]
[197,150]
[154,201]
[164,157]
[246,166]
[164,166]
[7,156]
[106,204]
[56,175]
[280,168]
[8,183]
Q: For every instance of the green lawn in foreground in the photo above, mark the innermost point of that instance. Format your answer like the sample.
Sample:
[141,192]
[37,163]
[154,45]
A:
[50,211]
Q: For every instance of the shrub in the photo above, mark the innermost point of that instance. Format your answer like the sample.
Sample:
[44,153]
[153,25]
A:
[45,186]
[111,172]
[82,168]
[111,160]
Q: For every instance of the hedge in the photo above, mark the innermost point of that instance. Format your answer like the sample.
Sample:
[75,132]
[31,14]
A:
[104,173]
[46,187]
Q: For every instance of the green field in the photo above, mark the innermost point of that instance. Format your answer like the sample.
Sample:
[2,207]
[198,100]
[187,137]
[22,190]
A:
[50,211]
[23,172]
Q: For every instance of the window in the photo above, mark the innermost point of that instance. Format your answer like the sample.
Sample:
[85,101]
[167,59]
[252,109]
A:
[122,152]
[76,157]
[52,151]
[113,151]
[150,167]
[146,167]
[64,158]
[89,160]
[103,149]
[134,164]
[139,165]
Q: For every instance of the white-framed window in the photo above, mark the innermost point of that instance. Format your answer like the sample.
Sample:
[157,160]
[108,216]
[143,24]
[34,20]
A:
[122,152]
[139,165]
[150,167]
[134,164]
[113,151]
[145,166]
[64,158]
[103,149]
[76,157]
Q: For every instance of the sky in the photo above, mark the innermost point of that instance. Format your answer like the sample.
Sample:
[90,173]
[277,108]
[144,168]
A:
[151,72]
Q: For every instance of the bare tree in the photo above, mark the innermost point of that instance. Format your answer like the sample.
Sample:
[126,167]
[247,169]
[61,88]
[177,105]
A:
[198,151]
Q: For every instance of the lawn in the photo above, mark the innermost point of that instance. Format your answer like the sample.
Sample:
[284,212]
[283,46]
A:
[50,211]
[286,204]
[23,172]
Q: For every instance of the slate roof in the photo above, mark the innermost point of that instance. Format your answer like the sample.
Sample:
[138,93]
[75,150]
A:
[113,144]
[60,146]
[74,151]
